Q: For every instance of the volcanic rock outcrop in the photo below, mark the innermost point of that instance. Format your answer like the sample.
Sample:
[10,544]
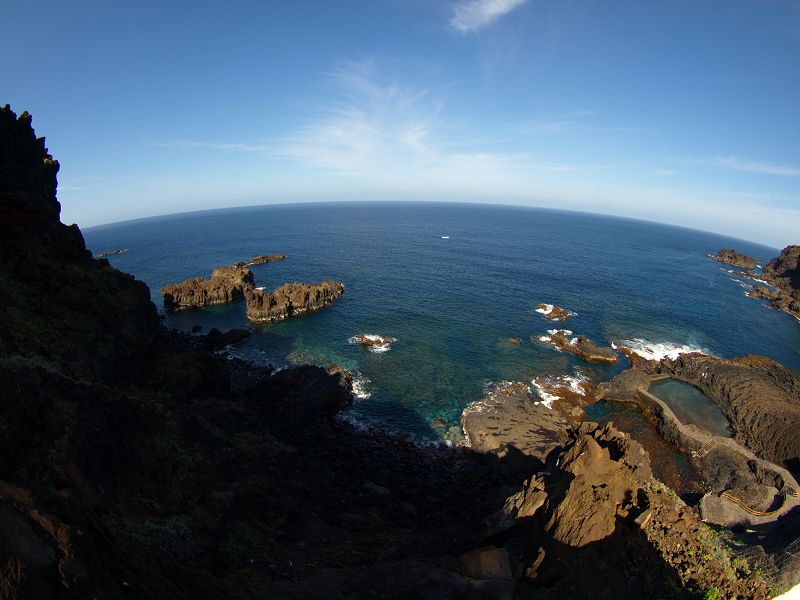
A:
[508,419]
[737,259]
[783,273]
[227,284]
[261,260]
[582,347]
[554,313]
[596,503]
[290,300]
[760,398]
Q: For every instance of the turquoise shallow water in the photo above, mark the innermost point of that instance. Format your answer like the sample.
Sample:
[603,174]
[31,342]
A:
[451,304]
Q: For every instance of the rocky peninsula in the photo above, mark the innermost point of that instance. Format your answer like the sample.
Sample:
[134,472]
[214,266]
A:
[135,463]
[734,258]
[261,260]
[781,274]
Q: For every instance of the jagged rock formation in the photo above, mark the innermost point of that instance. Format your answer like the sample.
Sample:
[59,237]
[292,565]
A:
[608,485]
[290,300]
[783,273]
[61,308]
[786,267]
[583,347]
[554,313]
[597,504]
[227,284]
[737,259]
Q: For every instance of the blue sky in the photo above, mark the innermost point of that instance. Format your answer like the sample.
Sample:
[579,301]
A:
[679,112]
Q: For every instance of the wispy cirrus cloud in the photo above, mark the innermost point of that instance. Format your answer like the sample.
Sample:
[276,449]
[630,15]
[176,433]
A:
[381,130]
[751,166]
[203,145]
[471,15]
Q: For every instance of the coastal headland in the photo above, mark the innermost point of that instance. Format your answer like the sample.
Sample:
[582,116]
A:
[134,462]
[778,282]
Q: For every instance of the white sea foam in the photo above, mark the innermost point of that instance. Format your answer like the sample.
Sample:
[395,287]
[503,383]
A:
[741,283]
[546,398]
[361,389]
[552,332]
[566,332]
[548,387]
[658,350]
[548,308]
[260,288]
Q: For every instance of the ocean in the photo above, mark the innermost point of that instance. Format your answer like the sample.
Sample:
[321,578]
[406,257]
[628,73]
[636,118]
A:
[453,304]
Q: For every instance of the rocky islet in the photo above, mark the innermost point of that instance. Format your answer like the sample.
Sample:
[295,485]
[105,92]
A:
[236,282]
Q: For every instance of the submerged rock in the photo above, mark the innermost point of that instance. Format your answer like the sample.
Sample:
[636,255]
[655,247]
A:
[290,300]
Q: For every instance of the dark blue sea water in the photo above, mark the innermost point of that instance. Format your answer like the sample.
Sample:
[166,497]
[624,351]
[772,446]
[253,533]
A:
[451,304]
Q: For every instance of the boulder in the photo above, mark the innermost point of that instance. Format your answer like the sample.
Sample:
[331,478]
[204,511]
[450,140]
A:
[486,563]
[598,487]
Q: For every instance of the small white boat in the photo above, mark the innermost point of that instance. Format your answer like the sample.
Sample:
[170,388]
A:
[445,237]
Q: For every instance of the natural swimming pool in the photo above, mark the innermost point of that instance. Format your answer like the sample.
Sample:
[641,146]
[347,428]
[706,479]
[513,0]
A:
[691,406]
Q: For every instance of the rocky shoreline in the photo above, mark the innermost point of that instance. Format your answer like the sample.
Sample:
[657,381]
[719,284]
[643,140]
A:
[134,462]
[782,274]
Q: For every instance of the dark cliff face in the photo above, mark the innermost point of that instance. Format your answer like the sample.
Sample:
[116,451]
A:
[27,176]
[786,267]
[59,305]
